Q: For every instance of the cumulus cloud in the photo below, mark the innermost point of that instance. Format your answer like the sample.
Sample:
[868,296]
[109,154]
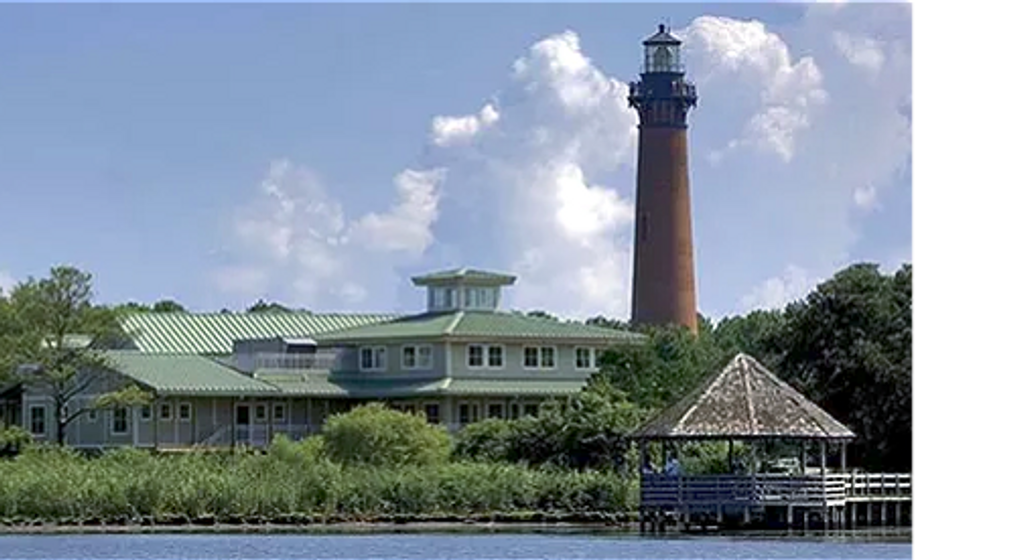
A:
[722,49]
[777,292]
[537,186]
[860,51]
[293,237]
[543,186]
[451,130]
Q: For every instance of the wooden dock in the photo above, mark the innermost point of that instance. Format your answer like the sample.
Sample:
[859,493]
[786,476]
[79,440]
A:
[830,501]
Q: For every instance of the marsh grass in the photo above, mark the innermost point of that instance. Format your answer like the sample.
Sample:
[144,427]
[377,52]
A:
[56,484]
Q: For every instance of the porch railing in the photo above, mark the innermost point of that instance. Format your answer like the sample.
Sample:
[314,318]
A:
[663,491]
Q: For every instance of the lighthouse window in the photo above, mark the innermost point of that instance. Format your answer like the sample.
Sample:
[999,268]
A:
[644,227]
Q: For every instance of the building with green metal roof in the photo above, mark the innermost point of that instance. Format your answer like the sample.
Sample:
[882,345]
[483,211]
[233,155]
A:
[225,379]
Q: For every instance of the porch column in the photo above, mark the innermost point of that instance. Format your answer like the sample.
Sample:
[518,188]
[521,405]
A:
[234,422]
[802,457]
[843,456]
[731,463]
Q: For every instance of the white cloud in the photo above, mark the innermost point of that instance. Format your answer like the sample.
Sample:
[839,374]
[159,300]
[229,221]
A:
[865,197]
[776,292]
[294,239]
[406,226]
[722,49]
[544,187]
[535,188]
[451,130]
[860,51]
[7,282]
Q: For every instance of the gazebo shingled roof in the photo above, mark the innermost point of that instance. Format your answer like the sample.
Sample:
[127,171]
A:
[744,401]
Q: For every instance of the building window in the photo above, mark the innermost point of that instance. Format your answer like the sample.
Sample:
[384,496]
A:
[417,357]
[475,355]
[373,358]
[279,415]
[120,421]
[260,413]
[495,356]
[495,410]
[146,413]
[463,414]
[585,358]
[530,410]
[547,357]
[432,413]
[92,415]
[184,411]
[514,410]
[538,357]
[530,357]
[37,419]
[166,411]
[644,226]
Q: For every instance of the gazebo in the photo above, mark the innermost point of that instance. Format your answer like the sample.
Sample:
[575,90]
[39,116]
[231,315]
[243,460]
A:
[746,402]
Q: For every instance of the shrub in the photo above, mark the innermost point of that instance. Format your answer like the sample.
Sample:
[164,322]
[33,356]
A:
[489,440]
[13,439]
[376,435]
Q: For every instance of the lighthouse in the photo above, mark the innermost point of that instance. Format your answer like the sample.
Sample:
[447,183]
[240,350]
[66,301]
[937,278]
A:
[664,270]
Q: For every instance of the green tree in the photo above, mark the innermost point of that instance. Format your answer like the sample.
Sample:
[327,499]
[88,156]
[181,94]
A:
[601,321]
[376,435]
[584,431]
[52,330]
[666,366]
[755,334]
[262,306]
[848,347]
[168,306]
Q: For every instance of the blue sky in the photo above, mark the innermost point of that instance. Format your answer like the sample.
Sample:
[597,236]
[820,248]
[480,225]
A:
[321,154]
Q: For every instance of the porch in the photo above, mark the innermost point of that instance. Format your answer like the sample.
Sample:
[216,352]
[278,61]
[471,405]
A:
[834,500]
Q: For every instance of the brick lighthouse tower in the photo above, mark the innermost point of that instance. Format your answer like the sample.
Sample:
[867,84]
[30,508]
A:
[664,275]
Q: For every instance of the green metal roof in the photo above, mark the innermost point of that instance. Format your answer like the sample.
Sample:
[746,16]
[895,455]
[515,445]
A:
[301,383]
[215,333]
[480,324]
[185,374]
[465,275]
[515,387]
[368,388]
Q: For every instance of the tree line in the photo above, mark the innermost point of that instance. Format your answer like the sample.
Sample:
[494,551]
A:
[847,346]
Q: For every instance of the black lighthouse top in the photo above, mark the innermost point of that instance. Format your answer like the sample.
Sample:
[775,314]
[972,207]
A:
[662,96]
[663,52]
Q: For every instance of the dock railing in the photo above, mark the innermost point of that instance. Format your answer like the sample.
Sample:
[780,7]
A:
[667,491]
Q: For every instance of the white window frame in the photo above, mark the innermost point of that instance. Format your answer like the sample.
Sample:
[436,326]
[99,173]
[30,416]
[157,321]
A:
[483,356]
[525,352]
[284,413]
[113,421]
[504,356]
[539,357]
[554,357]
[592,357]
[182,406]
[255,413]
[418,361]
[31,420]
[376,351]
[168,417]
[142,413]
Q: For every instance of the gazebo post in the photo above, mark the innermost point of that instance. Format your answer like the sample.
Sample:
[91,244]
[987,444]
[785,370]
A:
[843,456]
[802,457]
[731,464]
[824,483]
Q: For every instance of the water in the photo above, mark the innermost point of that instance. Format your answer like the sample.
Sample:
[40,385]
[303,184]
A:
[437,546]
